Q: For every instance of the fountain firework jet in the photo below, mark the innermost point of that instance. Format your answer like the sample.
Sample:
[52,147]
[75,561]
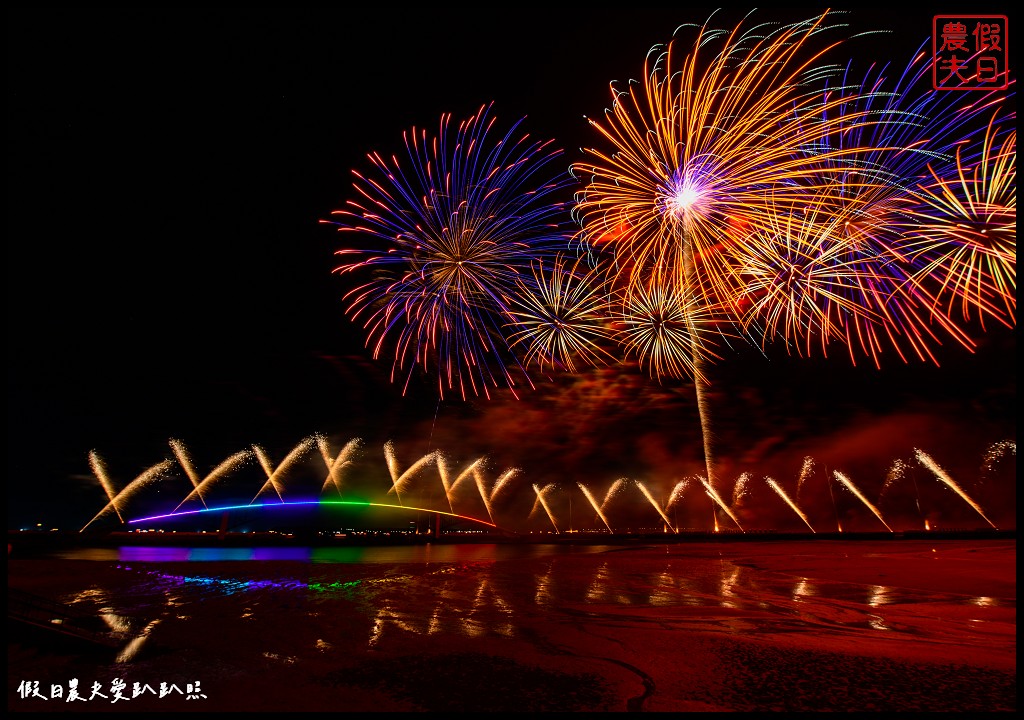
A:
[942,475]
[442,471]
[468,472]
[273,474]
[806,470]
[336,465]
[739,489]
[147,476]
[100,471]
[541,492]
[614,490]
[218,472]
[597,508]
[185,460]
[650,499]
[782,494]
[996,452]
[503,481]
[399,480]
[860,496]
[677,492]
[481,487]
[713,494]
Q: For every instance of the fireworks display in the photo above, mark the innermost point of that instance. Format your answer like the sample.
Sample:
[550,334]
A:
[450,236]
[753,185]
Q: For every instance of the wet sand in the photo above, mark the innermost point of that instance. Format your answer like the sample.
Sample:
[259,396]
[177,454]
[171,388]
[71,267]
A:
[898,625]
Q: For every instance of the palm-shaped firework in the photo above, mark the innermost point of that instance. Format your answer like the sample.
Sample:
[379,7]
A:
[448,239]
[867,265]
[747,178]
[705,152]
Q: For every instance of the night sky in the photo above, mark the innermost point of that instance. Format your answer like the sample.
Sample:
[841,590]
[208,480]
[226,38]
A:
[169,276]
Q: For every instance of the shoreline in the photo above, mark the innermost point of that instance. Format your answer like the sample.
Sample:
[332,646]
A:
[28,543]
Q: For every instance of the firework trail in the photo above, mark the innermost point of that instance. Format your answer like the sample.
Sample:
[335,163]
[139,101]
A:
[148,476]
[442,471]
[926,460]
[713,494]
[695,147]
[653,502]
[677,492]
[740,488]
[860,496]
[806,470]
[400,479]
[450,238]
[337,464]
[541,492]
[503,481]
[615,489]
[896,473]
[100,471]
[782,494]
[481,487]
[561,317]
[226,466]
[181,453]
[470,471]
[273,474]
[593,503]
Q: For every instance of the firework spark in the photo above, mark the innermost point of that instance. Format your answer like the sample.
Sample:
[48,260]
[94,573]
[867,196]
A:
[561,317]
[219,472]
[927,460]
[450,239]
[145,478]
[337,464]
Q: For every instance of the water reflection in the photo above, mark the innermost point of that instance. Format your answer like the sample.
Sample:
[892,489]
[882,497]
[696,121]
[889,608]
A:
[380,592]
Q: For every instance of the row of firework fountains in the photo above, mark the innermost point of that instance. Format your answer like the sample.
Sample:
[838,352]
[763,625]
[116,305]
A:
[753,186]
[488,499]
